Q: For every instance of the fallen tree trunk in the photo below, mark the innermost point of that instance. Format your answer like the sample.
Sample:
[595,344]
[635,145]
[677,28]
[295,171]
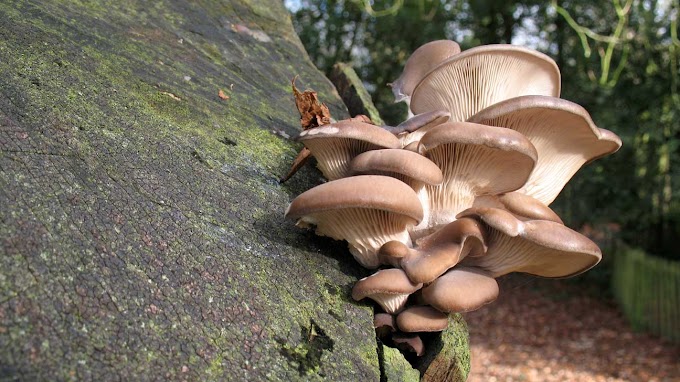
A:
[141,222]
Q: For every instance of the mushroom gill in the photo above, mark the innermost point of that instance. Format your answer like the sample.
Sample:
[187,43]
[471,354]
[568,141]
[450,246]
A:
[366,211]
[479,77]
[335,145]
[563,133]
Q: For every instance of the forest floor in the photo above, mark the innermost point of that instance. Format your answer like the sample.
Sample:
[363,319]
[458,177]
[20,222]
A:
[562,330]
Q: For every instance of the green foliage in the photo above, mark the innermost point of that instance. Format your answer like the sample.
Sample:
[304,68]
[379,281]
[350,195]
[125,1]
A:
[618,58]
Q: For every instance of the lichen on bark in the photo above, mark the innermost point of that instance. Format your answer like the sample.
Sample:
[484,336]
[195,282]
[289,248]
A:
[141,222]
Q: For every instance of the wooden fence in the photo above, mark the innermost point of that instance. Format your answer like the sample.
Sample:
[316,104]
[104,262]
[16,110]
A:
[648,290]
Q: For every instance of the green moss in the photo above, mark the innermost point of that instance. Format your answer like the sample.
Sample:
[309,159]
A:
[396,367]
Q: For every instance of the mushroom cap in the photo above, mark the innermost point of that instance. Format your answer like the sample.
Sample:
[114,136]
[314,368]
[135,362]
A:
[334,145]
[539,247]
[409,342]
[390,288]
[363,191]
[479,77]
[422,319]
[413,129]
[497,160]
[365,210]
[437,252]
[404,165]
[461,289]
[563,133]
[384,323]
[475,160]
[421,61]
[523,206]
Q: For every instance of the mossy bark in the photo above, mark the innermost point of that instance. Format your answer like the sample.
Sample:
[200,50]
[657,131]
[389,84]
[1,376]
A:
[141,222]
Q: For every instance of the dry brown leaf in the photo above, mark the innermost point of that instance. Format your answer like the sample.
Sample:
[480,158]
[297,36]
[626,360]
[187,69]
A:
[313,113]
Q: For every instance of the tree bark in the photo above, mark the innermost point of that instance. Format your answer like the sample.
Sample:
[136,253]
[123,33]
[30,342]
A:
[141,222]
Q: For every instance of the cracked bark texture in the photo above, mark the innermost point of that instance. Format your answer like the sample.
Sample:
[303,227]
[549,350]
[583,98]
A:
[141,222]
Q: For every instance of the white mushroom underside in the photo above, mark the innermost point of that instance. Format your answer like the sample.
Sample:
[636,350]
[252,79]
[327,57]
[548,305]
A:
[333,155]
[466,86]
[564,142]
[468,171]
[391,303]
[365,230]
[508,254]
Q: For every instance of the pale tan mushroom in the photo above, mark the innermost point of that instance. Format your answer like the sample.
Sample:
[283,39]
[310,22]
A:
[479,77]
[461,289]
[335,145]
[366,210]
[438,252]
[538,247]
[423,59]
[563,133]
[390,288]
[523,206]
[422,319]
[475,160]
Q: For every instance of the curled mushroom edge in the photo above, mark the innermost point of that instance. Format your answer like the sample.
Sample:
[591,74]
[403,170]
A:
[457,195]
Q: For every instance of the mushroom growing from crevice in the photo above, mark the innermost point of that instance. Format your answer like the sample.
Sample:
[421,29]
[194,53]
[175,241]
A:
[367,211]
[458,194]
[389,288]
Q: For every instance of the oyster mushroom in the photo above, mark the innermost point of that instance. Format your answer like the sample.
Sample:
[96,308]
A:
[523,206]
[422,318]
[479,77]
[438,252]
[461,289]
[538,247]
[407,166]
[390,288]
[421,61]
[366,210]
[413,129]
[335,145]
[475,160]
[563,133]
[409,343]
[384,324]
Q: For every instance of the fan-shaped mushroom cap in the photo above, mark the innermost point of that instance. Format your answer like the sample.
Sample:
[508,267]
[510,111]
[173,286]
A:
[539,247]
[407,166]
[475,160]
[422,319]
[334,145]
[523,206]
[390,288]
[479,77]
[421,61]
[413,129]
[563,133]
[366,210]
[384,324]
[437,252]
[461,289]
[409,343]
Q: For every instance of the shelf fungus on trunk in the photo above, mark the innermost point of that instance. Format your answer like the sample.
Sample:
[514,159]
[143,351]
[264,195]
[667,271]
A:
[458,194]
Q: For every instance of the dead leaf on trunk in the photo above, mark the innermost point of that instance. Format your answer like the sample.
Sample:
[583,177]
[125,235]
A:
[313,113]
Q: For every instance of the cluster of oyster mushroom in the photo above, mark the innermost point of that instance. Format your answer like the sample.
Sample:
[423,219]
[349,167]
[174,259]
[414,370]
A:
[458,194]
